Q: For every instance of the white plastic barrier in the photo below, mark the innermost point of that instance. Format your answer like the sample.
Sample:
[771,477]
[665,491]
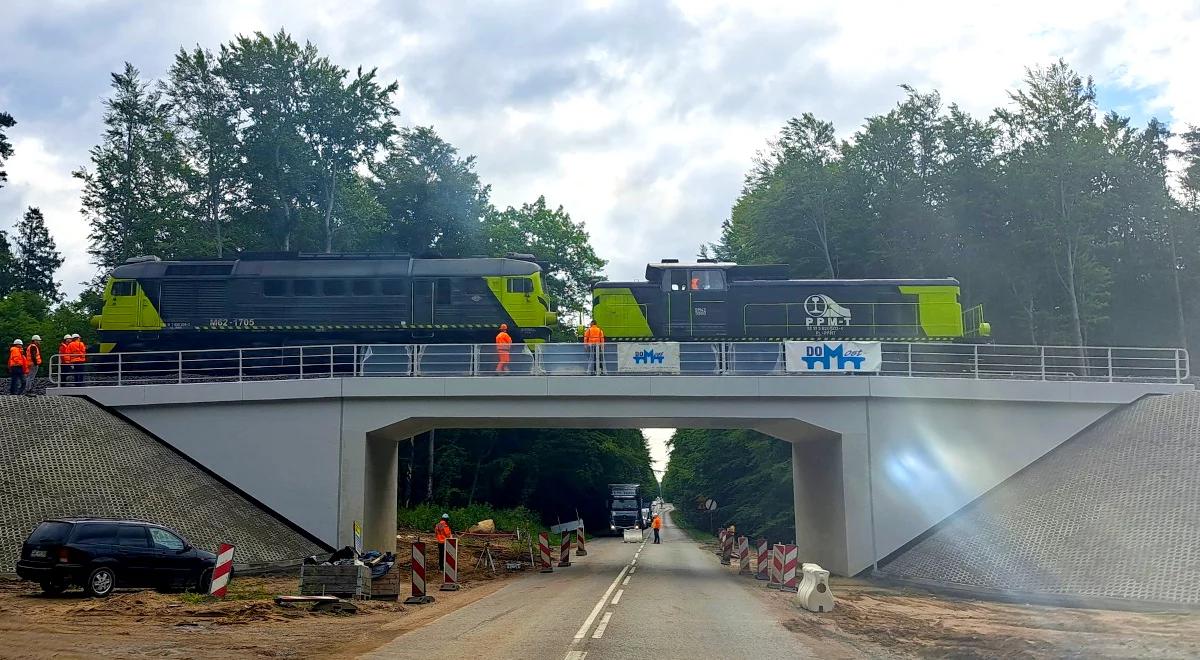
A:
[814,594]
[632,535]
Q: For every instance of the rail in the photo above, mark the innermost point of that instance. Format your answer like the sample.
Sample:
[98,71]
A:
[975,361]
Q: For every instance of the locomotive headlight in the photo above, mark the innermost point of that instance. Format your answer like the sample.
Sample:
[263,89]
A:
[551,318]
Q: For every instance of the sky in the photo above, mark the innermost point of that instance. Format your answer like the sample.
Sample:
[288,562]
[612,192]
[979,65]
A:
[640,118]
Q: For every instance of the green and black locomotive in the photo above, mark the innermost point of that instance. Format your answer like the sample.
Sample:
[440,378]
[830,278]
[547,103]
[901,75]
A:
[708,300]
[306,299]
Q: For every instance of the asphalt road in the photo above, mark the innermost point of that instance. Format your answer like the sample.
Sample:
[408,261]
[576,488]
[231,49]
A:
[623,600]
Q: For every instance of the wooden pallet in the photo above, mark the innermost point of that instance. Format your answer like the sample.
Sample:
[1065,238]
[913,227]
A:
[387,586]
[348,581]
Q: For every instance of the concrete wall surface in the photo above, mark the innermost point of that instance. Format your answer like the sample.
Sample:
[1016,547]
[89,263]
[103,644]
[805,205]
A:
[877,460]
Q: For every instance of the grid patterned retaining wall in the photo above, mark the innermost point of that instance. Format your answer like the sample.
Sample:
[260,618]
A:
[1114,512]
[63,456]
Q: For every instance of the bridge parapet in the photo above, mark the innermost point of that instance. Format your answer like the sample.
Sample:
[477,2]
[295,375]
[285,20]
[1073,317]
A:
[969,361]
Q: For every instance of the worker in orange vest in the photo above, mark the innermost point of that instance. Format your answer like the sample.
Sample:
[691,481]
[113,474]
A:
[442,531]
[16,367]
[593,338]
[79,357]
[64,360]
[33,360]
[593,335]
[503,342]
[657,525]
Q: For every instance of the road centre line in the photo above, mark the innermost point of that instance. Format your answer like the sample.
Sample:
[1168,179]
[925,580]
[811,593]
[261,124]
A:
[617,598]
[603,624]
[626,582]
[575,655]
[600,605]
[633,570]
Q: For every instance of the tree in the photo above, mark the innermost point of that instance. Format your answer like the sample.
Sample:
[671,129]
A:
[571,265]
[37,257]
[8,266]
[6,148]
[433,198]
[133,197]
[206,119]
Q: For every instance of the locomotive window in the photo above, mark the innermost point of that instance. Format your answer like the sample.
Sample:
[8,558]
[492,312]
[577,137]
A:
[275,287]
[333,287]
[124,288]
[304,287]
[362,287]
[520,285]
[393,287]
[442,294]
[707,280]
[679,280]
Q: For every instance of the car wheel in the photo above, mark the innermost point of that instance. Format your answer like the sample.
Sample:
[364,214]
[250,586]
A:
[101,582]
[53,588]
[204,582]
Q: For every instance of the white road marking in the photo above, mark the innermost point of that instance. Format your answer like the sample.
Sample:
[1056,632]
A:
[633,561]
[626,582]
[575,655]
[617,598]
[600,605]
[603,624]
[633,570]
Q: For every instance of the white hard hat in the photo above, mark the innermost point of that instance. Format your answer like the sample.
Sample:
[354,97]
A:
[66,337]
[17,342]
[36,338]
[75,336]
[445,516]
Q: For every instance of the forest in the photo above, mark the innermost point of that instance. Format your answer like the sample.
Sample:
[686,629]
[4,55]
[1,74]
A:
[1070,223]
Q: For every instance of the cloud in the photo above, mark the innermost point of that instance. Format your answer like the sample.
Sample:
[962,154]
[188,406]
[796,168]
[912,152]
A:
[639,117]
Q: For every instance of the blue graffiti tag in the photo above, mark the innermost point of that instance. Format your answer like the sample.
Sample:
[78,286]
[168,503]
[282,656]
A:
[828,353]
[649,356]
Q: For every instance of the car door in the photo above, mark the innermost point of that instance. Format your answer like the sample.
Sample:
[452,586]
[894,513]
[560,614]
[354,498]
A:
[97,545]
[175,564]
[133,545]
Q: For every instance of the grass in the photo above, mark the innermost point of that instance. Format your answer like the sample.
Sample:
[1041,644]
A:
[244,589]
[424,516]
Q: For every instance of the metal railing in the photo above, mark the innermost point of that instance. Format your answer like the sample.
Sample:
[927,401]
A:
[975,361]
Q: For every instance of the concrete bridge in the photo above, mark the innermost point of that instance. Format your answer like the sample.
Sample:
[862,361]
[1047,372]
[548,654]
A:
[878,459]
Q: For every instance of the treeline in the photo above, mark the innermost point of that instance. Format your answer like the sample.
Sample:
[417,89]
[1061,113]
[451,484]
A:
[553,472]
[1069,224]
[1066,222]
[267,145]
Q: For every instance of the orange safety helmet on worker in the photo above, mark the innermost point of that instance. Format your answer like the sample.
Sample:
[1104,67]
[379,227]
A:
[593,335]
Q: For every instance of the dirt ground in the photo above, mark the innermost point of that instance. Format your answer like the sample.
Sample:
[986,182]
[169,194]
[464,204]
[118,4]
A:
[874,621]
[139,624]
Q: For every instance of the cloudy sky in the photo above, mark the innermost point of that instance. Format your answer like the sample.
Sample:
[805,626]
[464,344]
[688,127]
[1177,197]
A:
[639,117]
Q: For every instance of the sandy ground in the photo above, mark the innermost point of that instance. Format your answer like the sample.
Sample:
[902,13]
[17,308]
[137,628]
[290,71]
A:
[139,624]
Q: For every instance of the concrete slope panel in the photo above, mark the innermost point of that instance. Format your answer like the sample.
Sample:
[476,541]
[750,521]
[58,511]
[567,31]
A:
[64,456]
[285,453]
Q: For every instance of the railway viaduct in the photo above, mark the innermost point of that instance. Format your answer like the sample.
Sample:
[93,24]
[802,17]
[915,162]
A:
[877,459]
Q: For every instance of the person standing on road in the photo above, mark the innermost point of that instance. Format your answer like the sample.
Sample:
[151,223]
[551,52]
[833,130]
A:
[16,367]
[442,531]
[657,525]
[33,360]
[503,343]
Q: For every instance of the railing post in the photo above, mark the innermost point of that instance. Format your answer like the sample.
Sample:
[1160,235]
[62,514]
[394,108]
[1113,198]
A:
[1042,359]
[1110,364]
[301,363]
[975,352]
[241,365]
[179,365]
[331,360]
[908,357]
[118,368]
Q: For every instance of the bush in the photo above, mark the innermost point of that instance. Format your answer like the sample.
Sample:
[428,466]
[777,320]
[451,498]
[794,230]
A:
[424,516]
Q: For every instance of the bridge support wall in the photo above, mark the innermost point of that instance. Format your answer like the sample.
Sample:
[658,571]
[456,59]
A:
[876,460]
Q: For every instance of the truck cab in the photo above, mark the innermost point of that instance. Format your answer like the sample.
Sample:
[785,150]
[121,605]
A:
[625,508]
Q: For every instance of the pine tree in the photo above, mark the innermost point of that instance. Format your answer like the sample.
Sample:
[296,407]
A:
[37,257]
[8,266]
[6,150]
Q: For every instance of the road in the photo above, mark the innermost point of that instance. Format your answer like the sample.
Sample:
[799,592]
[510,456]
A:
[623,600]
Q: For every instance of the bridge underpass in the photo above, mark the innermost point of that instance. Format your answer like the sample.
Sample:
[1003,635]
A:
[877,460]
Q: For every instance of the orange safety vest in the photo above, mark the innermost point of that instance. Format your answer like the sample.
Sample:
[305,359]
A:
[443,531]
[593,335]
[16,358]
[33,354]
[503,339]
[77,351]
[64,352]
[657,524]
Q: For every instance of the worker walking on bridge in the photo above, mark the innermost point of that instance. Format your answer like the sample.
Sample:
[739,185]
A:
[442,531]
[16,367]
[657,525]
[503,344]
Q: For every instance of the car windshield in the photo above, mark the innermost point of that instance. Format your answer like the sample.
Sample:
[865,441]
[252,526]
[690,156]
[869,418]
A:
[51,530]
[624,505]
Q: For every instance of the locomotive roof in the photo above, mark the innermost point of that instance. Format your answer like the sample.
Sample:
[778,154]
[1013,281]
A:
[745,281]
[328,266]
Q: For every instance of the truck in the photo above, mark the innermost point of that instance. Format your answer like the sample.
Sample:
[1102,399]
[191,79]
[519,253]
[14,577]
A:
[625,508]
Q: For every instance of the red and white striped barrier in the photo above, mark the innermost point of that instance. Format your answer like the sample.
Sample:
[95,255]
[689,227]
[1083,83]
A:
[720,541]
[764,561]
[727,549]
[219,584]
[544,549]
[564,550]
[419,597]
[776,572]
[743,555]
[580,542]
[789,567]
[450,565]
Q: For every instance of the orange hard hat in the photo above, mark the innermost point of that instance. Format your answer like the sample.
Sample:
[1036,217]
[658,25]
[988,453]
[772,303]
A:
[504,326]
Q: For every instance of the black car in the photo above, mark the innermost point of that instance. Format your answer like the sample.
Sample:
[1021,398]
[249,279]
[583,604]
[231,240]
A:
[102,554]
